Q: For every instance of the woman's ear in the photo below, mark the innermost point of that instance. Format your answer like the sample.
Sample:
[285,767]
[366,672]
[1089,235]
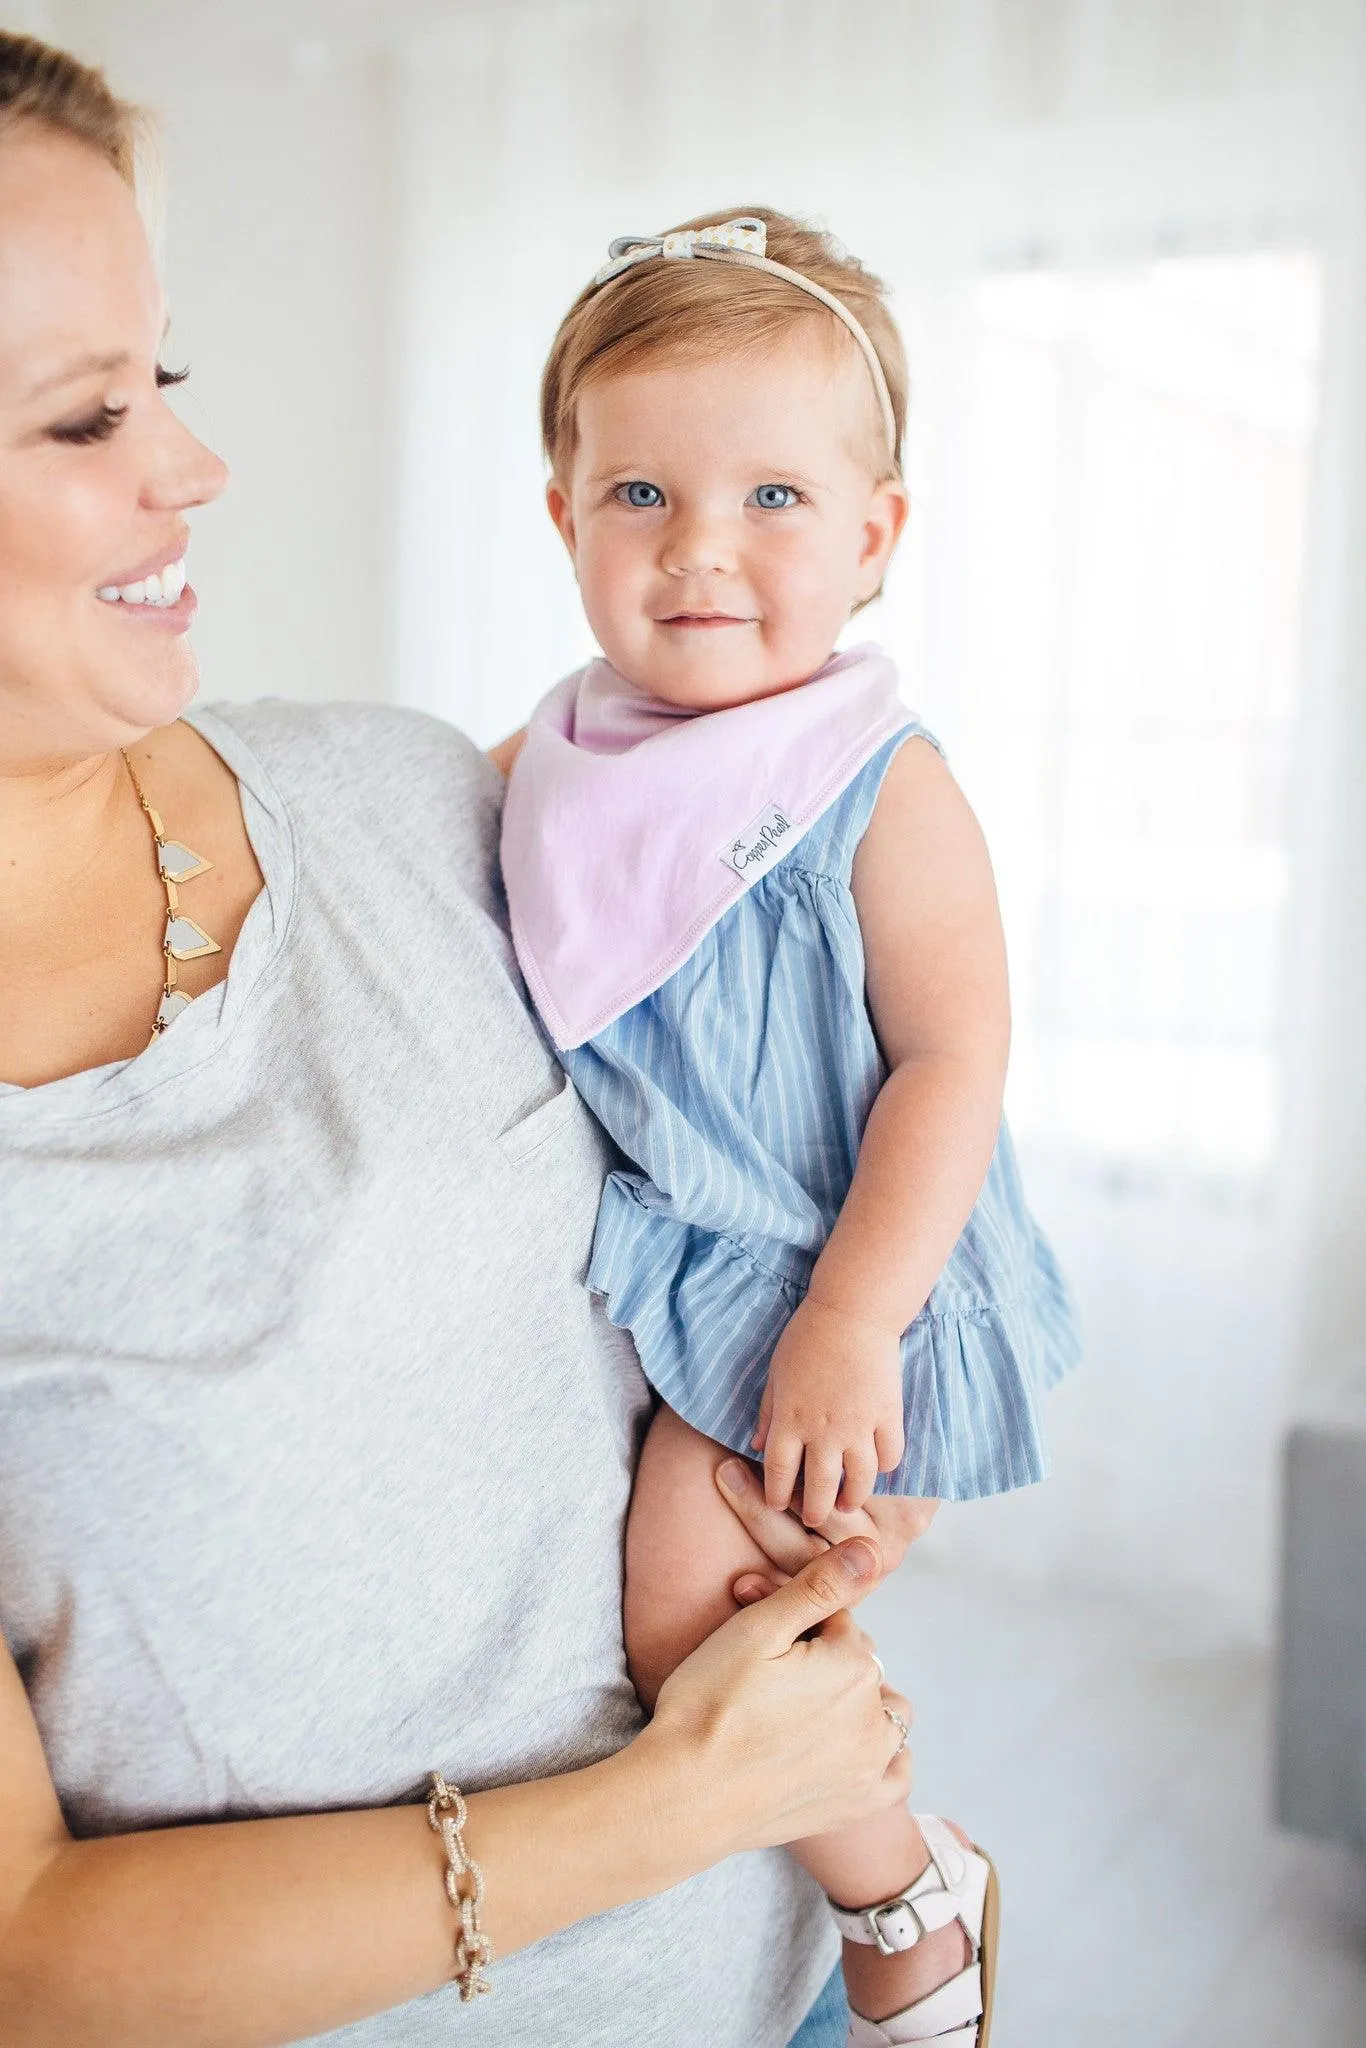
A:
[888,510]
[560,510]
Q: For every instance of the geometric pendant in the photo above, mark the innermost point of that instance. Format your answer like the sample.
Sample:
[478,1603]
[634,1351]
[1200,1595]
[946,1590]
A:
[178,863]
[186,941]
[172,1003]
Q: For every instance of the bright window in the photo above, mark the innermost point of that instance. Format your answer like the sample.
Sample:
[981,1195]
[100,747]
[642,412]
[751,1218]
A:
[1130,641]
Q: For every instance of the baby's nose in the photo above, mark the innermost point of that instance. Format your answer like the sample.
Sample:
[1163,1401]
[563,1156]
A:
[700,547]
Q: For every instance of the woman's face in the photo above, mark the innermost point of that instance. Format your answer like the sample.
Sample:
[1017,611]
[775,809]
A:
[96,471]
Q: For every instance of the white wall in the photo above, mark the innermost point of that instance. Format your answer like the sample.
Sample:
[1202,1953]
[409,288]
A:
[31,18]
[277,232]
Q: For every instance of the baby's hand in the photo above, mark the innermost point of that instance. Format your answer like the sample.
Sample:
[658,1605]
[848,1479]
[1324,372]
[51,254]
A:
[833,1406]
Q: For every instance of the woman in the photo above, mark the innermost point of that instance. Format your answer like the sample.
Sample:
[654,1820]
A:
[314,1453]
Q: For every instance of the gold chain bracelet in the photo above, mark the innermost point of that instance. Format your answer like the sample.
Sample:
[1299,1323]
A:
[446,1815]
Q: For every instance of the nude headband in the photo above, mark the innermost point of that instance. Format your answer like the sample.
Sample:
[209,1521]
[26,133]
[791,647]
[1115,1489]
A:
[744,241]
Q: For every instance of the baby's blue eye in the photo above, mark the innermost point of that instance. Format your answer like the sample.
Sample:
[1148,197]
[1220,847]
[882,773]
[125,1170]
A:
[643,496]
[775,497]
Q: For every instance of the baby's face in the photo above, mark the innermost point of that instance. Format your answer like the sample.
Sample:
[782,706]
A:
[724,518]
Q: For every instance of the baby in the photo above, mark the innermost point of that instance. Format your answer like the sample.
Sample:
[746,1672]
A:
[758,919]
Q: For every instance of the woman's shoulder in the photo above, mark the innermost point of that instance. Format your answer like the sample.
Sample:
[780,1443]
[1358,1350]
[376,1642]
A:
[351,747]
[376,795]
[365,770]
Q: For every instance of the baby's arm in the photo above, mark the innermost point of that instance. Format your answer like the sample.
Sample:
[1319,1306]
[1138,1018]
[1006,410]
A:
[937,993]
[506,751]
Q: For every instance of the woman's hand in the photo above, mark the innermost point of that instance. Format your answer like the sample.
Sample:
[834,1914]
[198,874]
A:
[777,1722]
[894,1523]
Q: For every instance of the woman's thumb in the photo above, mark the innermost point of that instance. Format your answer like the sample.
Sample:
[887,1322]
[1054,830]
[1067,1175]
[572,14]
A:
[819,1590]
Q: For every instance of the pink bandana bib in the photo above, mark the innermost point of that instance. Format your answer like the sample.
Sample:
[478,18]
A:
[631,826]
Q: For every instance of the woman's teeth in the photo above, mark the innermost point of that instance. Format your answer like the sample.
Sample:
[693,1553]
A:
[161,590]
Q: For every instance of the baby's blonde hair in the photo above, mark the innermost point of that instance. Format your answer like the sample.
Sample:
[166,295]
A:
[684,311]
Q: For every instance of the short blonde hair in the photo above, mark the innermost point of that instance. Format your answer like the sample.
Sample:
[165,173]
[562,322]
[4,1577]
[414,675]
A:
[41,84]
[683,311]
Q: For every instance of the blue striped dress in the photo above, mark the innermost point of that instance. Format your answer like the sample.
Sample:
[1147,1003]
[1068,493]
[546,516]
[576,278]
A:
[738,1092]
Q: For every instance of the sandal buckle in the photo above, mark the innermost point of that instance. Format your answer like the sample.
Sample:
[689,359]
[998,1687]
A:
[895,1927]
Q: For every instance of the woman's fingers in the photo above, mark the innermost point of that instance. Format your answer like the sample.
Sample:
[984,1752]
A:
[895,1520]
[841,1628]
[819,1593]
[779,1535]
[784,1706]
[752,1586]
[893,1523]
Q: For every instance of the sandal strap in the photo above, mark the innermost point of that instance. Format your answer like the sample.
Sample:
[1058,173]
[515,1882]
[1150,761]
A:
[949,2017]
[952,1886]
[867,2034]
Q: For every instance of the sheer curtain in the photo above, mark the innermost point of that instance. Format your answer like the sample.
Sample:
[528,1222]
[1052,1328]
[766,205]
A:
[1125,241]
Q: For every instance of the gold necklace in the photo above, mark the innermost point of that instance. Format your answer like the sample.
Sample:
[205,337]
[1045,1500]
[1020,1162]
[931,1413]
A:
[184,939]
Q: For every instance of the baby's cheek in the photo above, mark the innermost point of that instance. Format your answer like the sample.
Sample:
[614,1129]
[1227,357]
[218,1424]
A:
[800,630]
[613,601]
[815,582]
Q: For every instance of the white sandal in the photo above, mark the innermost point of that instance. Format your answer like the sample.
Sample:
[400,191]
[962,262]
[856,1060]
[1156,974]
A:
[956,1884]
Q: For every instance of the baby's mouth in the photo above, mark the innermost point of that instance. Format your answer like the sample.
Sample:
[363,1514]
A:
[702,620]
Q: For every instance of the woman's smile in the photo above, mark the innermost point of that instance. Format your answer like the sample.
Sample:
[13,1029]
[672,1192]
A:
[156,590]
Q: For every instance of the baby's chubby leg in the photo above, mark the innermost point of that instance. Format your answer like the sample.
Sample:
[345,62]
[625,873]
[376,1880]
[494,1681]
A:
[684,1551]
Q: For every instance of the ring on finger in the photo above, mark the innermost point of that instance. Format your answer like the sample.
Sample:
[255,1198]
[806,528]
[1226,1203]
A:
[881,1669]
[903,1726]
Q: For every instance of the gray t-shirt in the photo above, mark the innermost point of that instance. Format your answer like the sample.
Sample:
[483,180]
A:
[314,1450]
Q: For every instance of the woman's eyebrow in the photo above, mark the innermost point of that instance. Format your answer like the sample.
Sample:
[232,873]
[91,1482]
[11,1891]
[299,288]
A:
[83,366]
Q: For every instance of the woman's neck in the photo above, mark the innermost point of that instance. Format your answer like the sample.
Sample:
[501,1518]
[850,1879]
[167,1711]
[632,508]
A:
[59,823]
[83,906]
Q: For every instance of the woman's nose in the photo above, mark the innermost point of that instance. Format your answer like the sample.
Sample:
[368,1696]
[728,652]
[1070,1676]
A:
[186,472]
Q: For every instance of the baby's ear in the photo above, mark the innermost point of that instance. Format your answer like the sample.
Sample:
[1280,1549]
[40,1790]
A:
[561,511]
[888,510]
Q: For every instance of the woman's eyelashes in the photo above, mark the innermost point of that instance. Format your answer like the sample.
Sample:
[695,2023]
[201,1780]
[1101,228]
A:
[96,426]
[100,424]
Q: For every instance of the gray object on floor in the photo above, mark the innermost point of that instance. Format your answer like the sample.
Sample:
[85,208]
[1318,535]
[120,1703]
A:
[1321,1731]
